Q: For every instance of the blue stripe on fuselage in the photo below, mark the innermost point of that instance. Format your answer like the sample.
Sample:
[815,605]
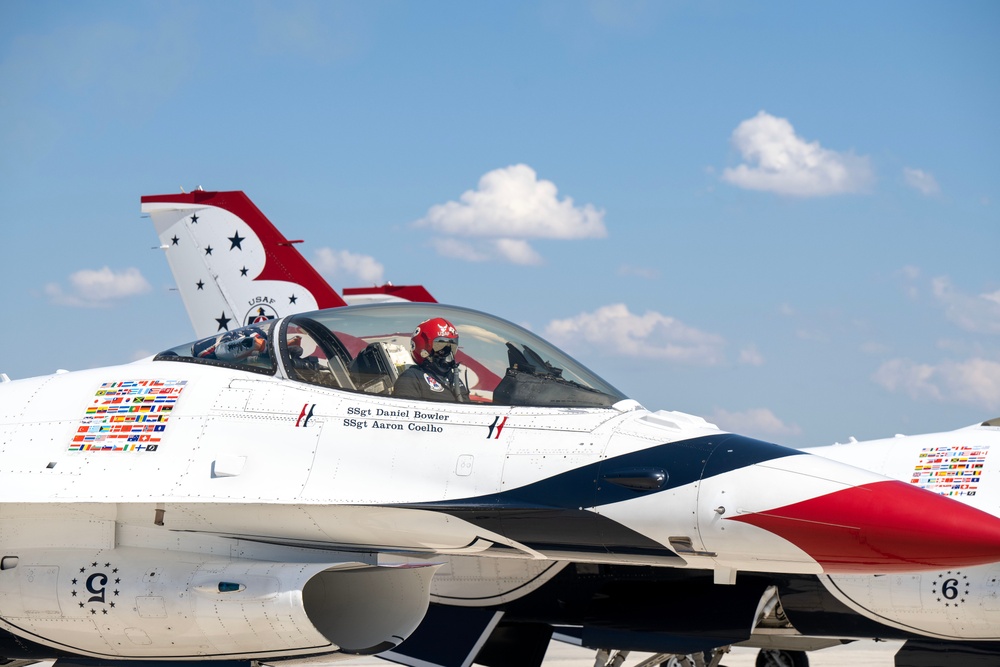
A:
[684,461]
[554,516]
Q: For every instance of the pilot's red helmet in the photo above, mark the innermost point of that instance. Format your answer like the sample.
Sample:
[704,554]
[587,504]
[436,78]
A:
[435,337]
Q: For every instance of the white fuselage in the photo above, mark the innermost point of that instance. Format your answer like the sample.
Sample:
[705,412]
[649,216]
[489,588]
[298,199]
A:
[173,508]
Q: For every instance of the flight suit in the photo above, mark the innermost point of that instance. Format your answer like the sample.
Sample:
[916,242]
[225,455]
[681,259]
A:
[428,382]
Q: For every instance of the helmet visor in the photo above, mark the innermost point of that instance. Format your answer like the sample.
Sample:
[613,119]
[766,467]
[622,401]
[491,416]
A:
[445,346]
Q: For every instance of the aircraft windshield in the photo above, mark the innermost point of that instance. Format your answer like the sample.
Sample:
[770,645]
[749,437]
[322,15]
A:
[249,348]
[367,349]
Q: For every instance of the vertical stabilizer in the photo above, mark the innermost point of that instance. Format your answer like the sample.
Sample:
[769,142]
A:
[232,266]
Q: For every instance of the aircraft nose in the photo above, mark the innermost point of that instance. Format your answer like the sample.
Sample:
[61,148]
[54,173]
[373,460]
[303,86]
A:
[884,526]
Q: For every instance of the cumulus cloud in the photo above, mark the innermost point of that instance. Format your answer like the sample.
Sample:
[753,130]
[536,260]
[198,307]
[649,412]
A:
[91,288]
[977,313]
[780,161]
[756,422]
[921,180]
[449,247]
[510,206]
[517,251]
[615,330]
[974,381]
[343,264]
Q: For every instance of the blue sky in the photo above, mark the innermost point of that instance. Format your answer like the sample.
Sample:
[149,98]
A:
[780,216]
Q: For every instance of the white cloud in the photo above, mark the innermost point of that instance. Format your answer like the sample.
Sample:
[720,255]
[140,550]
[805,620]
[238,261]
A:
[974,381]
[615,330]
[962,347]
[756,422]
[782,162]
[512,202]
[921,180]
[511,205]
[975,313]
[343,264]
[90,288]
[751,356]
[517,251]
[463,250]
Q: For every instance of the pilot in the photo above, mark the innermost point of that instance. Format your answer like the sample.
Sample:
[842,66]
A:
[435,377]
[245,345]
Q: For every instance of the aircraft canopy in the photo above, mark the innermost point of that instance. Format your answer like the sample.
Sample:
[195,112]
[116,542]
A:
[366,348]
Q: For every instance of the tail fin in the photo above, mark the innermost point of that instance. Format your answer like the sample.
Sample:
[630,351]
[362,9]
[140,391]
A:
[232,266]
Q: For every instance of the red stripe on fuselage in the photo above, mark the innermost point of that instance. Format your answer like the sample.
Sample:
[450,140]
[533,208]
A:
[893,525]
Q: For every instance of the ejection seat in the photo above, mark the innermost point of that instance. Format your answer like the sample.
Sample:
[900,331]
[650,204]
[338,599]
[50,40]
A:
[373,370]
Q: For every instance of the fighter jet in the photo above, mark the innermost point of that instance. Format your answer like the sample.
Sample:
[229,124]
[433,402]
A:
[244,495]
[173,214]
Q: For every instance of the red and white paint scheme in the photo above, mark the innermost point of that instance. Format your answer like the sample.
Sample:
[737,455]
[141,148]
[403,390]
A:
[233,267]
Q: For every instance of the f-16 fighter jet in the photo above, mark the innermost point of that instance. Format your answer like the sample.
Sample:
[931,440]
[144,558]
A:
[212,283]
[246,495]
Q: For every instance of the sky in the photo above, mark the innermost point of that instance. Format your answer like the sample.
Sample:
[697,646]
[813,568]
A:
[783,217]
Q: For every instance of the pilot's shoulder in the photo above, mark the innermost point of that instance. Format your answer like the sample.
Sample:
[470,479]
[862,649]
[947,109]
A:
[407,380]
[409,374]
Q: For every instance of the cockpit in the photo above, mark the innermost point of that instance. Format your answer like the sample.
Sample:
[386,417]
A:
[366,348]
